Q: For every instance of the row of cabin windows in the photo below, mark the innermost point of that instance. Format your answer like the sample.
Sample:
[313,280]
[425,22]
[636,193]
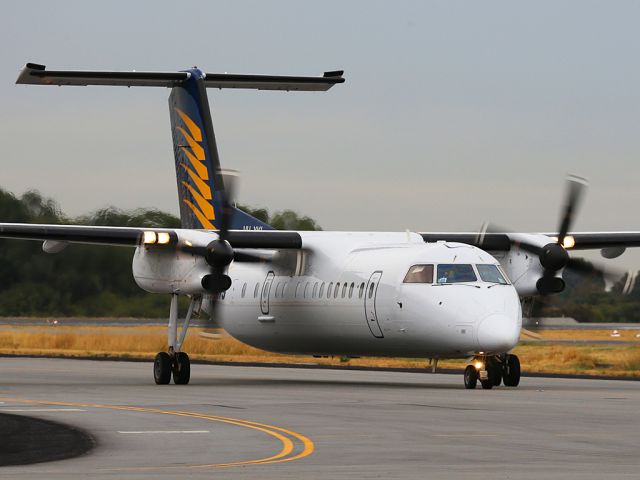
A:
[317,291]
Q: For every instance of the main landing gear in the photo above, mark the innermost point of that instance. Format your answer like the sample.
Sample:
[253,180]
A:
[492,371]
[174,362]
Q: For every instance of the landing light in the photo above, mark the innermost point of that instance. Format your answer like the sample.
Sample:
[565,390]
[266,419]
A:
[479,365]
[149,238]
[163,238]
[569,241]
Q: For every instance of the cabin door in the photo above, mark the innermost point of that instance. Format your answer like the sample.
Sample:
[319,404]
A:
[370,304]
[264,297]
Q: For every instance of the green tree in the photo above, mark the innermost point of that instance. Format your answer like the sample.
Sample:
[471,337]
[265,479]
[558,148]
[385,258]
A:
[85,280]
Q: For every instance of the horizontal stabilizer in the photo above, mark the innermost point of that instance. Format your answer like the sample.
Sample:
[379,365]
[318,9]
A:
[34,74]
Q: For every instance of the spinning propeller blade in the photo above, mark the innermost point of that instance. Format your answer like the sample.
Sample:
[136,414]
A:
[554,256]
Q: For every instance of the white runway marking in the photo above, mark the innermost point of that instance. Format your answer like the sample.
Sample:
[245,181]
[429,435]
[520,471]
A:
[163,431]
[42,410]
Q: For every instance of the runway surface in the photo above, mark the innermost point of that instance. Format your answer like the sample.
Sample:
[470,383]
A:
[275,423]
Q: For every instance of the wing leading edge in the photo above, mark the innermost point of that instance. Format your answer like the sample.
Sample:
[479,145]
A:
[134,236]
[503,241]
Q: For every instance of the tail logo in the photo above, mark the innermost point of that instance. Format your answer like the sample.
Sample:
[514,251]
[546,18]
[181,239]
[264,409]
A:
[197,171]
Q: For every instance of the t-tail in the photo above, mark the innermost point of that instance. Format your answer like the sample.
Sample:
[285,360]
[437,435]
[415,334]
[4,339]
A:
[198,172]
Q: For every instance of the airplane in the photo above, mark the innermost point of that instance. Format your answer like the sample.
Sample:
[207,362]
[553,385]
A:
[429,295]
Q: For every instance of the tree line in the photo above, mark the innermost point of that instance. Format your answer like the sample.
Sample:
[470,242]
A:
[96,281]
[87,280]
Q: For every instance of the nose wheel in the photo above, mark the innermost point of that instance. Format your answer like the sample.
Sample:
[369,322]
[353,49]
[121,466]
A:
[491,371]
[470,377]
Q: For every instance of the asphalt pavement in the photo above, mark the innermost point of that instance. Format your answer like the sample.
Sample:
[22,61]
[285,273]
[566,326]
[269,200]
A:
[279,423]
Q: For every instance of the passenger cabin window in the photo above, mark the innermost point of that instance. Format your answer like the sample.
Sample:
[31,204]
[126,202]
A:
[329,290]
[351,289]
[344,290]
[335,293]
[306,289]
[321,290]
[419,274]
[491,274]
[361,290]
[315,290]
[255,290]
[244,289]
[455,273]
[372,286]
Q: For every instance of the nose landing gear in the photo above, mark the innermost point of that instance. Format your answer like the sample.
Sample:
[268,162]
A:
[492,371]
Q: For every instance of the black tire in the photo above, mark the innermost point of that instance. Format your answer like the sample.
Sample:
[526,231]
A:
[487,384]
[496,375]
[162,368]
[511,372]
[470,377]
[494,369]
[181,369]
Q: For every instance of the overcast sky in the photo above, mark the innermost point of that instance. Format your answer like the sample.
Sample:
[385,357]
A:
[453,113]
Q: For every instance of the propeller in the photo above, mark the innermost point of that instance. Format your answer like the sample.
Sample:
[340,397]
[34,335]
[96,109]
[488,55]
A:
[554,256]
[219,253]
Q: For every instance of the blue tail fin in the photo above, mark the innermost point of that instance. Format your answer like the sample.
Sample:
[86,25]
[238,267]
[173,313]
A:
[197,162]
[196,154]
[243,221]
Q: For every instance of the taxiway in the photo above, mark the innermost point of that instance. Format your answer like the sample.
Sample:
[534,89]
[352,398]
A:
[240,422]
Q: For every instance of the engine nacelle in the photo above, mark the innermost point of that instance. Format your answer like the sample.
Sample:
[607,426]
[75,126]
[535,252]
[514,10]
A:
[523,268]
[165,269]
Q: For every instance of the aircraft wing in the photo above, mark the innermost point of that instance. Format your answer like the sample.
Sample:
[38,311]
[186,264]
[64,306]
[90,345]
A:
[134,236]
[503,241]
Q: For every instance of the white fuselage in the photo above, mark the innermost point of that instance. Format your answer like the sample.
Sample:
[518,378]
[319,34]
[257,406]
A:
[291,305]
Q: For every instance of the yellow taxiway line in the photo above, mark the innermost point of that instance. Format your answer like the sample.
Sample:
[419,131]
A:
[284,436]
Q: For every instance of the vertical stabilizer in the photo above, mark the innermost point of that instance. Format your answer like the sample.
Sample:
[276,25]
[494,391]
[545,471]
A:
[196,154]
[200,183]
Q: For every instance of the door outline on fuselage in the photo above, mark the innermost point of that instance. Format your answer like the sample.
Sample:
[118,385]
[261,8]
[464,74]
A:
[371,316]
[264,296]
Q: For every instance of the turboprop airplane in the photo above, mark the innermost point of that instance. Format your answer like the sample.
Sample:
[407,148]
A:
[406,294]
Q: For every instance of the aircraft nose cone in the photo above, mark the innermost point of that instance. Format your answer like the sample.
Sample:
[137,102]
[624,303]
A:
[498,334]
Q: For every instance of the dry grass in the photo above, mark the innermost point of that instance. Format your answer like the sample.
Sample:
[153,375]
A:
[144,342]
[584,334]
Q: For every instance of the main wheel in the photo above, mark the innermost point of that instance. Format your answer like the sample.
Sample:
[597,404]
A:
[181,369]
[511,371]
[162,368]
[470,377]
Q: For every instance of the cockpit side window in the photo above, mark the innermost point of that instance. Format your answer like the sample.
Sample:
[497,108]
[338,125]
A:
[491,274]
[419,274]
[456,273]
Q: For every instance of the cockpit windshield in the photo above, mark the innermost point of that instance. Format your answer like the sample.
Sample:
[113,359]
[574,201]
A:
[455,273]
[419,274]
[491,274]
